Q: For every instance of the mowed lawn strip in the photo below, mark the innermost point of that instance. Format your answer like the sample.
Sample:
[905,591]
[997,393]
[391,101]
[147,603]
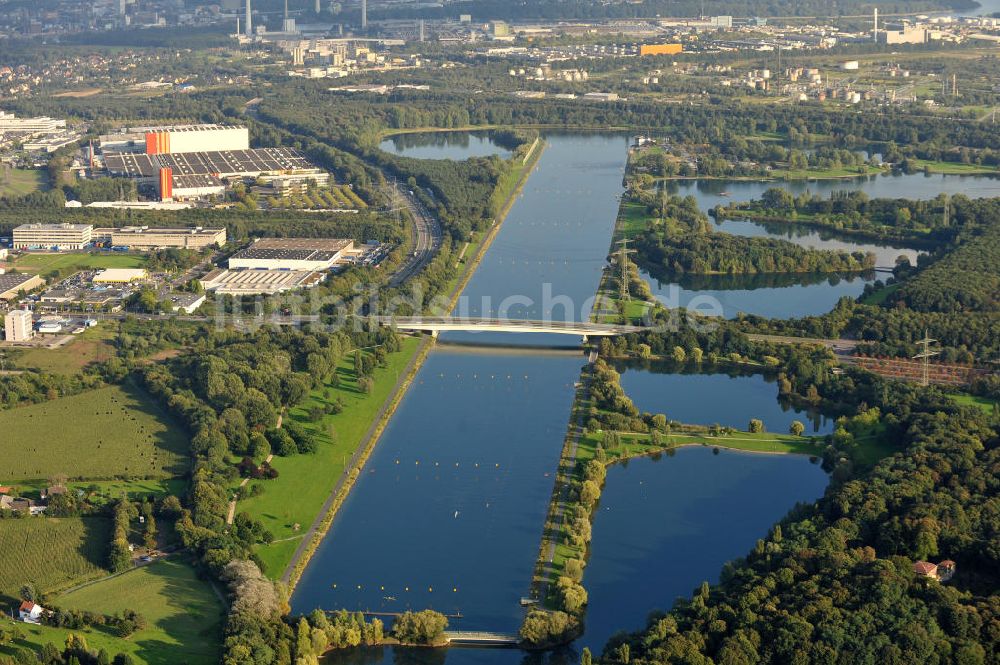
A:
[110,432]
[52,553]
[305,481]
[184,616]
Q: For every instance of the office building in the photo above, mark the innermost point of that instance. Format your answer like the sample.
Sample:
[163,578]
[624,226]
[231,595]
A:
[53,236]
[10,123]
[145,238]
[17,326]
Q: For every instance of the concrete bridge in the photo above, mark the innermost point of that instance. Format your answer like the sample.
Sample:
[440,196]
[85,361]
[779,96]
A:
[481,638]
[438,324]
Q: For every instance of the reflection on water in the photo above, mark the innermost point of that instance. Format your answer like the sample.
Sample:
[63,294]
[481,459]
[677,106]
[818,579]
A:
[771,295]
[665,525]
[818,238]
[696,399]
[710,193]
[791,296]
[444,145]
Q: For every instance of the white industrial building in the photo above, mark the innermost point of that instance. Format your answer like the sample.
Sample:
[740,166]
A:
[120,276]
[17,326]
[12,285]
[304,254]
[143,237]
[172,139]
[259,282]
[11,123]
[53,236]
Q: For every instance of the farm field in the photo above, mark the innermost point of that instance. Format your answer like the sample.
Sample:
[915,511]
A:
[304,481]
[105,433]
[18,182]
[92,345]
[51,552]
[184,616]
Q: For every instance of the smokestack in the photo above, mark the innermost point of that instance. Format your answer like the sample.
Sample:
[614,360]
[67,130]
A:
[364,15]
[248,26]
[316,8]
[875,26]
[286,10]
[421,30]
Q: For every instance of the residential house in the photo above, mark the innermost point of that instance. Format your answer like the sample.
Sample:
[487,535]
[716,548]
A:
[946,570]
[31,612]
[942,572]
[21,505]
[50,492]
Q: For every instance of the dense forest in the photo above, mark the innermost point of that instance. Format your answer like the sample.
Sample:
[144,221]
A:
[833,583]
[966,280]
[929,223]
[669,255]
[228,393]
[679,240]
[952,296]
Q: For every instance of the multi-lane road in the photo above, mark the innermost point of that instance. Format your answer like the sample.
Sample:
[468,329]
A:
[426,234]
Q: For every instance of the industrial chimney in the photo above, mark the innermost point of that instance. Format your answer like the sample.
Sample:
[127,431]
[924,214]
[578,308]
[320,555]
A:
[364,15]
[248,26]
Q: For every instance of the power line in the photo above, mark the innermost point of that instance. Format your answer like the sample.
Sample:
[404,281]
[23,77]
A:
[623,264]
[926,356]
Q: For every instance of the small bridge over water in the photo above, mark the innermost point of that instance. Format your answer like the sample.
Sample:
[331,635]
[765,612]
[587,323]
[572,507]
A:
[481,638]
[438,324]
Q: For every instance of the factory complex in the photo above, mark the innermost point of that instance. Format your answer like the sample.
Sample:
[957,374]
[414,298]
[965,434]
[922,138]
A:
[259,282]
[13,285]
[185,162]
[292,254]
[176,139]
[276,265]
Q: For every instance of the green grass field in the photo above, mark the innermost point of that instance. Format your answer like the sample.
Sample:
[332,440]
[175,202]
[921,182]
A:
[92,345]
[880,296]
[101,491]
[52,553]
[984,403]
[111,432]
[18,182]
[954,168]
[305,481]
[632,219]
[184,615]
[65,264]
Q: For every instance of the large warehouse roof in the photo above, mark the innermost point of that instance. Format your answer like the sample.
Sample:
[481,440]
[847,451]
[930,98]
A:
[298,249]
[222,163]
